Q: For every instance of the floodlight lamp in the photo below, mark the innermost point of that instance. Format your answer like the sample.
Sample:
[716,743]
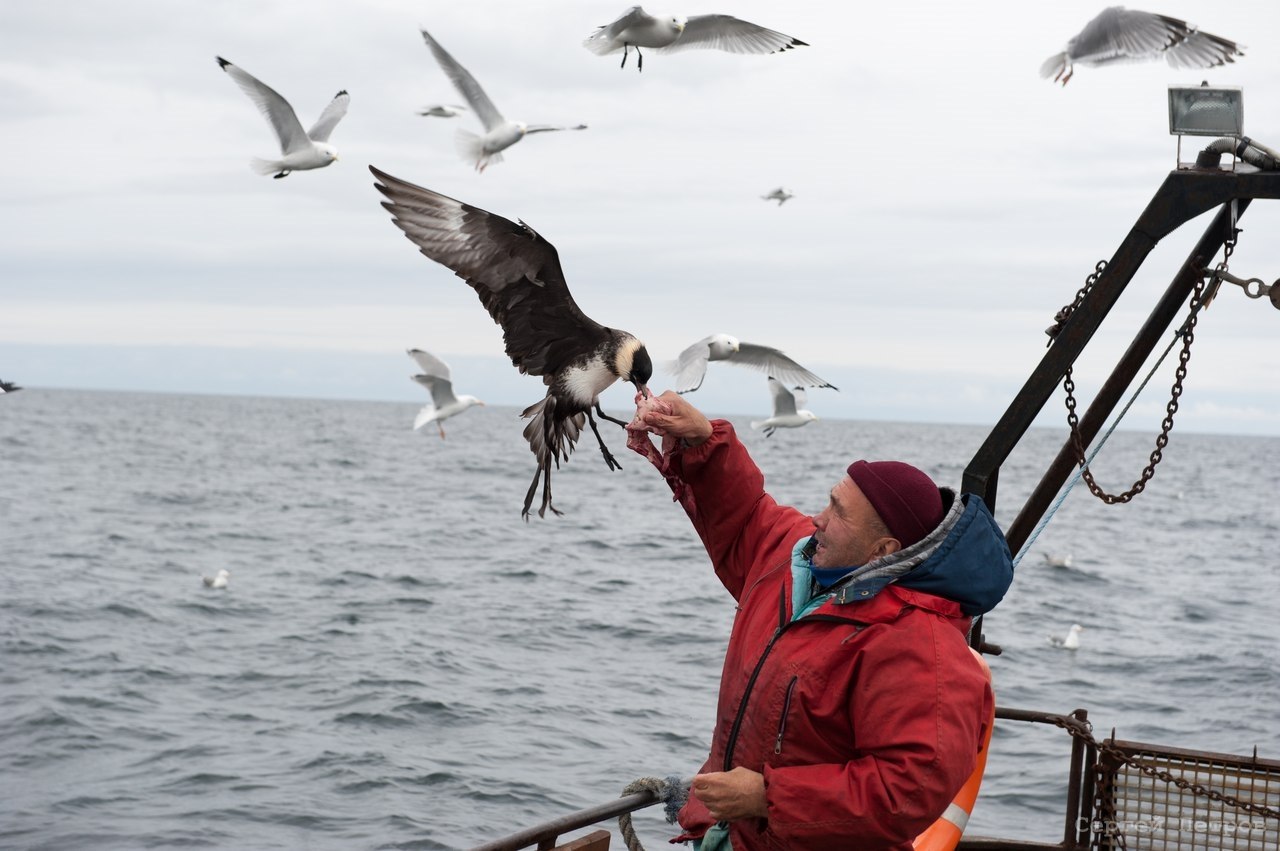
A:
[1206,111]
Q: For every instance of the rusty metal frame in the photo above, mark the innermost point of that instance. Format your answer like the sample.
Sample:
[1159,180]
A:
[1080,788]
[1184,195]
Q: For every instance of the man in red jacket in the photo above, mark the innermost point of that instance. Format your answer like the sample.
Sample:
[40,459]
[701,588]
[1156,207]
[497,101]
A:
[851,710]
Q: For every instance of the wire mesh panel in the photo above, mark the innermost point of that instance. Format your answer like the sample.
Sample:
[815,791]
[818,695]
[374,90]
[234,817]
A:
[1185,810]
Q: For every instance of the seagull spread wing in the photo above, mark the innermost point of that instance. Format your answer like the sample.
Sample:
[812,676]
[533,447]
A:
[776,365]
[1202,50]
[543,128]
[277,110]
[515,272]
[784,403]
[441,389]
[604,40]
[329,119]
[465,84]
[430,364]
[690,367]
[1125,35]
[725,32]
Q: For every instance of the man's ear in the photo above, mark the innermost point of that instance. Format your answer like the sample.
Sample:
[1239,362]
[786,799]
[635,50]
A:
[887,546]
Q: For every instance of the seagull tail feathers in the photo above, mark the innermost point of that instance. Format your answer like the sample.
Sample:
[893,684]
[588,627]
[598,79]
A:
[600,44]
[757,424]
[1055,66]
[471,149]
[262,166]
[426,415]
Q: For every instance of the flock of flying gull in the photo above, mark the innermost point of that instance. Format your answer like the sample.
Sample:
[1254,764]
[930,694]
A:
[516,272]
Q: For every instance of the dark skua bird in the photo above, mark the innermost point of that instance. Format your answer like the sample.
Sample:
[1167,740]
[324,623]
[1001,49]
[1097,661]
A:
[517,275]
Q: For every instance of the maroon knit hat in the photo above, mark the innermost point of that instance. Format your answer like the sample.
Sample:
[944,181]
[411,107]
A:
[906,499]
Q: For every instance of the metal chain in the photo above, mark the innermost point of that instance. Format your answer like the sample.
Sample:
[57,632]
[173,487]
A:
[1060,318]
[1187,332]
[1085,734]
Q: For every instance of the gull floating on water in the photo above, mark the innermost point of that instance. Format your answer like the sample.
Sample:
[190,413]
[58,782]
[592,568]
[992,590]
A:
[780,195]
[665,33]
[1071,642]
[788,409]
[1119,35]
[442,110]
[691,366]
[517,275]
[444,404]
[300,149]
[1055,560]
[218,581]
[499,133]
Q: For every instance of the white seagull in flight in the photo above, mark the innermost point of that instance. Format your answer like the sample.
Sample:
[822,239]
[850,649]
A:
[444,404]
[517,275]
[780,195]
[299,149]
[637,28]
[691,366]
[788,409]
[1118,35]
[499,133]
[442,110]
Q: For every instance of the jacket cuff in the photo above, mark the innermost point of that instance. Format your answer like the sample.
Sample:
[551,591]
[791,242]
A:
[691,457]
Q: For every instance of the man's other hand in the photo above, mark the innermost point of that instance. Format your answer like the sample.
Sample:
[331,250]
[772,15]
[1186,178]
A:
[731,795]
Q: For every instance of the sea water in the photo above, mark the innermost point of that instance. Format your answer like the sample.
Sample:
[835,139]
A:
[399,661]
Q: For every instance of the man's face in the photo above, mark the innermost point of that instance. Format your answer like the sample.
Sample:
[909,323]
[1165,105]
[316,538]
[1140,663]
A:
[850,533]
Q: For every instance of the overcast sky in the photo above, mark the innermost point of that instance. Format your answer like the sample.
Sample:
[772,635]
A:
[947,200]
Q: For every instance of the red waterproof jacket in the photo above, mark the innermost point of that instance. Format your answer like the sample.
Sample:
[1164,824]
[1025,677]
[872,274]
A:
[865,717]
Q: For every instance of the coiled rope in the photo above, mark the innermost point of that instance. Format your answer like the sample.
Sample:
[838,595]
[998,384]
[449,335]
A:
[672,789]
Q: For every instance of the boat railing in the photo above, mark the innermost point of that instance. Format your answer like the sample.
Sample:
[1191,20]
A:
[1076,835]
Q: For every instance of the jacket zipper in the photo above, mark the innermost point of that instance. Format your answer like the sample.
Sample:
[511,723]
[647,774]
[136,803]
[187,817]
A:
[786,710]
[783,625]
